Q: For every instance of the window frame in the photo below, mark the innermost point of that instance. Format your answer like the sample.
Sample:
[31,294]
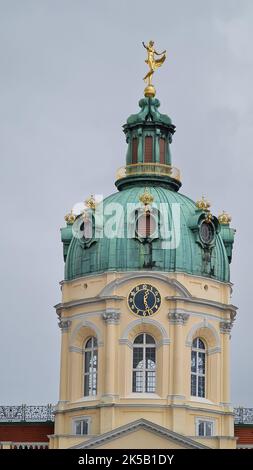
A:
[81,419]
[197,350]
[205,421]
[145,371]
[89,375]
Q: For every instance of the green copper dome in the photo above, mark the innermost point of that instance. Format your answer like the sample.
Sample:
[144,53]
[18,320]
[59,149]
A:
[130,254]
[148,193]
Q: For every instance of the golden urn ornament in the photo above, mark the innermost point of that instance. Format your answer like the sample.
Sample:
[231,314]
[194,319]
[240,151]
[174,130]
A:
[224,218]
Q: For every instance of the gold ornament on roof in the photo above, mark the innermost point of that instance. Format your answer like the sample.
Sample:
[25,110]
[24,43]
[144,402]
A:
[146,198]
[70,218]
[203,204]
[153,64]
[224,218]
[90,202]
[208,217]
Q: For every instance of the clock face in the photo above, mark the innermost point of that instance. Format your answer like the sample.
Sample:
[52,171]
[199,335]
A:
[207,232]
[144,300]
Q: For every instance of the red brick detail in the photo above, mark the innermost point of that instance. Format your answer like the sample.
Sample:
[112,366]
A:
[148,157]
[26,432]
[134,150]
[244,433]
[162,151]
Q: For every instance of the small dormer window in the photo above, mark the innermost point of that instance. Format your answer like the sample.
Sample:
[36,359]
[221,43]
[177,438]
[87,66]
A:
[146,225]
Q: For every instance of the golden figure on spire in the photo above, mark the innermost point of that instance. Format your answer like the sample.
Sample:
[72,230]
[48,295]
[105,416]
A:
[153,65]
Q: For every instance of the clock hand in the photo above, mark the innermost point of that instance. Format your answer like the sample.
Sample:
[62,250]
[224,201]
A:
[147,309]
[145,298]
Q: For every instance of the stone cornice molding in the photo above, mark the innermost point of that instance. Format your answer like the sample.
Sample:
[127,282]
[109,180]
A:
[78,303]
[207,303]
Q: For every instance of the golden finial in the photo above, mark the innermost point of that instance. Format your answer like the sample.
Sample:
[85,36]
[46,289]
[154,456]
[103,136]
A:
[203,204]
[224,218]
[70,218]
[146,198]
[153,64]
[208,217]
[90,202]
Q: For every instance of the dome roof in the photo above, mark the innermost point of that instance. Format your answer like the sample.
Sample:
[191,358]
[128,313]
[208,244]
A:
[202,245]
[190,256]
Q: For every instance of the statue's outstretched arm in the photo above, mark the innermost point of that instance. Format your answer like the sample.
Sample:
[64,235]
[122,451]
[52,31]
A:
[144,45]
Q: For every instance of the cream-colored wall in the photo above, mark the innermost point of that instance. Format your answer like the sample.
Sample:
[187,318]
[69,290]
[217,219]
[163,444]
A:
[86,301]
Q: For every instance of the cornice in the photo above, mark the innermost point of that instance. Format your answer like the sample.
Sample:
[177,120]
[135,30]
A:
[207,303]
[90,300]
[206,409]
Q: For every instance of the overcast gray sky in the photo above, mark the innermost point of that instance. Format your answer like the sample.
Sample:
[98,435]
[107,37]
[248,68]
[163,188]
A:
[70,74]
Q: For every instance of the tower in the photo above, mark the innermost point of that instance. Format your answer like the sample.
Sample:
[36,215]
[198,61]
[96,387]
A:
[145,314]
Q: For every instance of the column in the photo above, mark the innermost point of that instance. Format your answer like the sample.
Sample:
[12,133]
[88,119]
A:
[64,370]
[178,319]
[225,329]
[140,156]
[111,318]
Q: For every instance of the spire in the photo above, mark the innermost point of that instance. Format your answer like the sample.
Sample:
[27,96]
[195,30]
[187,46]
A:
[149,135]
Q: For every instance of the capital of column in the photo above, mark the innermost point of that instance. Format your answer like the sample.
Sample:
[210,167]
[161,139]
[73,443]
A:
[178,318]
[226,327]
[64,325]
[111,317]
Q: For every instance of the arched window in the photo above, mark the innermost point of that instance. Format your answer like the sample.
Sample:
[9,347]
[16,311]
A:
[144,364]
[198,368]
[90,367]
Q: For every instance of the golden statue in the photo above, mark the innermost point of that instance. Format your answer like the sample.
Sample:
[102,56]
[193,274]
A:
[153,65]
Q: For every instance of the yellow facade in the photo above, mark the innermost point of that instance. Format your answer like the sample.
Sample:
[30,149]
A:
[191,307]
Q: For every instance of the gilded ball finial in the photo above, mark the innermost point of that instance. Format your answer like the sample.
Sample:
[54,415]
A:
[224,218]
[203,204]
[149,91]
[70,218]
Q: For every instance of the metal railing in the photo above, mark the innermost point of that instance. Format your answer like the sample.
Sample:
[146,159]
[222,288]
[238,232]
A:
[26,413]
[29,445]
[45,413]
[148,169]
[243,415]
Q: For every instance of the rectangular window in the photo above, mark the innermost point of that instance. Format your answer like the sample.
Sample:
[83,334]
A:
[81,426]
[204,428]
